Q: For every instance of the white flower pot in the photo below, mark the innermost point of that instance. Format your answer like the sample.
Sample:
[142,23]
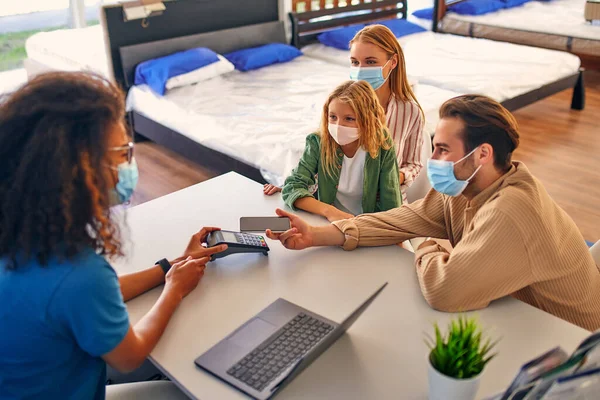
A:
[442,387]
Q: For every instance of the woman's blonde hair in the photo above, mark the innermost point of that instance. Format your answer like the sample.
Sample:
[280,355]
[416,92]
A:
[370,119]
[382,37]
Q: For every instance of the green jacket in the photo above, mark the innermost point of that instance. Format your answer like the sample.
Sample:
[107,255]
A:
[381,188]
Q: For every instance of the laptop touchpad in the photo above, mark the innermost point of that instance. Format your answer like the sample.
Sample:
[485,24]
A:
[253,333]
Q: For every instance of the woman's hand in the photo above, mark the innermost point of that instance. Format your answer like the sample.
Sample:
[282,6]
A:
[183,277]
[299,237]
[333,214]
[270,190]
[197,245]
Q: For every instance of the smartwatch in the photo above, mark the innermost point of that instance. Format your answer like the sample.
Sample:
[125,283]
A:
[164,264]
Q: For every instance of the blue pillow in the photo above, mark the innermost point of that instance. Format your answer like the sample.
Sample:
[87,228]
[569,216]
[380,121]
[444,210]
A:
[258,57]
[401,27]
[424,13]
[513,3]
[477,7]
[155,73]
[340,38]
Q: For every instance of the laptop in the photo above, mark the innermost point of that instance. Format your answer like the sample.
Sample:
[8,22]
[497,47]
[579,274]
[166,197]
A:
[264,354]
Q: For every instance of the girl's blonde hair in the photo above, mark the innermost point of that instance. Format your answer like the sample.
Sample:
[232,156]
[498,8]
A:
[370,119]
[382,37]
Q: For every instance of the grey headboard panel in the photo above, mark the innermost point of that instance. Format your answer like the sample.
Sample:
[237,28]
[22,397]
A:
[223,41]
[181,18]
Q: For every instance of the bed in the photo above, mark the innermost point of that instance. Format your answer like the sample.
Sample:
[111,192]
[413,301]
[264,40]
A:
[67,50]
[555,24]
[260,118]
[513,74]
[194,134]
[254,123]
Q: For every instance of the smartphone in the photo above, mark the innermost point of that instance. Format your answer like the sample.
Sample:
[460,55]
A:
[261,224]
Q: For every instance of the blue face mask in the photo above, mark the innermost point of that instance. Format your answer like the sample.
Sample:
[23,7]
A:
[442,178]
[372,75]
[128,179]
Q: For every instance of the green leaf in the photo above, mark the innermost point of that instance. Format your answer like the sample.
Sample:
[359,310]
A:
[462,352]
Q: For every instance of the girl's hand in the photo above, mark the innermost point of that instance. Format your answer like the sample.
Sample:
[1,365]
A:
[270,190]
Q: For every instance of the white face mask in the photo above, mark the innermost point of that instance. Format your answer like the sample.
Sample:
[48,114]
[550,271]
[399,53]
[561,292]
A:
[343,134]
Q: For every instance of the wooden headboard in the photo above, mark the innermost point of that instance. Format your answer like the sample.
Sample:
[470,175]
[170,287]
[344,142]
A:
[309,18]
[440,7]
[180,19]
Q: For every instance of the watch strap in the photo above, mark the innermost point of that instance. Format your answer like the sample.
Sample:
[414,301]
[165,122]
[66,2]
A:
[164,264]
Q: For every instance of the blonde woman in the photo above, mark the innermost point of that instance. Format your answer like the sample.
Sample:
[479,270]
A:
[353,156]
[377,58]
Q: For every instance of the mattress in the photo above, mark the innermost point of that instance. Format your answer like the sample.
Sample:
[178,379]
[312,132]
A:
[557,24]
[70,49]
[260,117]
[471,65]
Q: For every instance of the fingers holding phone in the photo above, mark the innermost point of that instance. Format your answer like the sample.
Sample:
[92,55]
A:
[299,236]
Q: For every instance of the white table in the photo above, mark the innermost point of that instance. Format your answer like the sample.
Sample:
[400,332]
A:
[383,356]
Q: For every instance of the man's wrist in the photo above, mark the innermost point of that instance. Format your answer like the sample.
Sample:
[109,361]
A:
[329,235]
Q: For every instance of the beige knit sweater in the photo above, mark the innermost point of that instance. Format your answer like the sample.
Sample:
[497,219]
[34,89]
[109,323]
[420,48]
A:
[511,239]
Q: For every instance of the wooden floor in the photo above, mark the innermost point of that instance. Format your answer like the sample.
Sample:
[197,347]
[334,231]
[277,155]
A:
[163,171]
[560,146]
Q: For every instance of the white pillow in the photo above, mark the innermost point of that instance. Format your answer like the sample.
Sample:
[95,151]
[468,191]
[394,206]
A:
[220,67]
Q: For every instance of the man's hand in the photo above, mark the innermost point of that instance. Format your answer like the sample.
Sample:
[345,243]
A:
[298,237]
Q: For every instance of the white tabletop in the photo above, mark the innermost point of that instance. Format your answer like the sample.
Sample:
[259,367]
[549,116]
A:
[382,356]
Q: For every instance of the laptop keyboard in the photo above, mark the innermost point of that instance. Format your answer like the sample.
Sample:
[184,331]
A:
[267,361]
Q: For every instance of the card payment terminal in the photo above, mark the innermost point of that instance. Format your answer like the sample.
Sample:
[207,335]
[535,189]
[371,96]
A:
[236,243]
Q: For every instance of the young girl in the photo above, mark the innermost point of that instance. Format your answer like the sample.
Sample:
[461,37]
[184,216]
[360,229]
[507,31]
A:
[376,57]
[352,155]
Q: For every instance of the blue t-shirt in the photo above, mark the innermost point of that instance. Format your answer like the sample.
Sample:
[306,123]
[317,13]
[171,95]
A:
[56,323]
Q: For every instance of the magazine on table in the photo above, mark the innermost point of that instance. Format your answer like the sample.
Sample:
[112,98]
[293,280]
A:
[555,374]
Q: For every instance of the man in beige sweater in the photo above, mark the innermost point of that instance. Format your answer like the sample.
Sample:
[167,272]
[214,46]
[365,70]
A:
[508,236]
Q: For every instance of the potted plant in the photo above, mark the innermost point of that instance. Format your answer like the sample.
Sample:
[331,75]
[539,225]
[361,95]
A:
[457,359]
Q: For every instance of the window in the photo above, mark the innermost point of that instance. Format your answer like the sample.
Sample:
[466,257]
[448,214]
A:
[21,19]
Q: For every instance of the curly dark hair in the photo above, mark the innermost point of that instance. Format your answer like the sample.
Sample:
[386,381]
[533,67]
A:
[53,141]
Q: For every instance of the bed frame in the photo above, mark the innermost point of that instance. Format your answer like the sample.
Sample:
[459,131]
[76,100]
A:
[222,25]
[440,7]
[307,25]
